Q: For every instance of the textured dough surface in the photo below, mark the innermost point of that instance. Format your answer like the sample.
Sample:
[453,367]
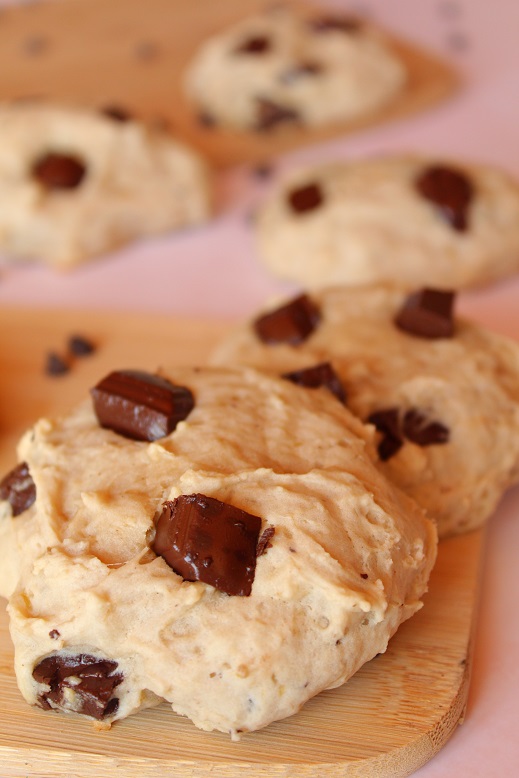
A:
[373,226]
[469,383]
[349,560]
[138,182]
[325,77]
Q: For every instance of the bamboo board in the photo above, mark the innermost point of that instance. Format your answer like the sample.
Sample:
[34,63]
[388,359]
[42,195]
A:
[132,53]
[388,720]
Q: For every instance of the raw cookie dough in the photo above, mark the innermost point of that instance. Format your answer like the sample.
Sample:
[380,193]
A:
[284,68]
[345,558]
[75,183]
[404,219]
[457,450]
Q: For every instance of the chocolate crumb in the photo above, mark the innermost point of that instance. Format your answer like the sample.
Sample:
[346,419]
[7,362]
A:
[270,114]
[364,575]
[80,346]
[264,540]
[206,119]
[258,44]
[116,113]
[54,634]
[56,365]
[263,170]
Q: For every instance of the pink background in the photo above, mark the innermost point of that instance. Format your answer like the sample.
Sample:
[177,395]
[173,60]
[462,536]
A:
[213,272]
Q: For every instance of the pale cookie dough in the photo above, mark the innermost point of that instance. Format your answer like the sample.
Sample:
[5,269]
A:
[119,181]
[467,384]
[347,561]
[284,68]
[366,221]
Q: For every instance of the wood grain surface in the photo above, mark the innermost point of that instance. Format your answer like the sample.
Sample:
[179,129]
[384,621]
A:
[132,53]
[388,720]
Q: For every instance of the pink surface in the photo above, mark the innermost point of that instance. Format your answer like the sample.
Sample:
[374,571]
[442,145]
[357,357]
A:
[213,272]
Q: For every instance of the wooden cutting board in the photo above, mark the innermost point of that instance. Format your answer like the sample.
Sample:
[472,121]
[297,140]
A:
[132,53]
[388,720]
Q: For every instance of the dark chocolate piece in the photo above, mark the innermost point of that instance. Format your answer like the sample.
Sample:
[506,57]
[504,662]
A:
[80,346]
[203,539]
[418,429]
[291,323]
[270,114]
[56,365]
[116,113]
[387,422]
[140,405]
[264,541]
[319,375]
[428,314]
[258,44]
[18,489]
[206,119]
[54,634]
[305,198]
[58,171]
[91,680]
[302,70]
[329,23]
[450,191]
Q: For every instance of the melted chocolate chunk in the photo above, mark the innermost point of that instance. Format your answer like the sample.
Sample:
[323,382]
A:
[291,323]
[270,114]
[418,429]
[450,191]
[387,422]
[58,171]
[264,540]
[305,198]
[319,375]
[139,405]
[326,24]
[258,44]
[18,489]
[428,314]
[56,365]
[302,70]
[203,539]
[80,346]
[83,684]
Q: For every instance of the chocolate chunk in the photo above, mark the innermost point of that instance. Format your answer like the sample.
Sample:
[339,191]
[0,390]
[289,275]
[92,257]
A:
[56,365]
[305,198]
[58,171]
[83,684]
[387,422]
[302,70]
[270,114]
[54,634]
[319,375]
[264,540]
[80,346]
[450,191]
[203,539]
[258,44]
[116,113]
[18,489]
[428,314]
[419,430]
[291,323]
[263,170]
[330,23]
[139,405]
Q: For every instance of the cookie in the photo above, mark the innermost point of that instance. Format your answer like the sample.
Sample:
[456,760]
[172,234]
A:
[75,183]
[442,393]
[288,68]
[407,220]
[204,536]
